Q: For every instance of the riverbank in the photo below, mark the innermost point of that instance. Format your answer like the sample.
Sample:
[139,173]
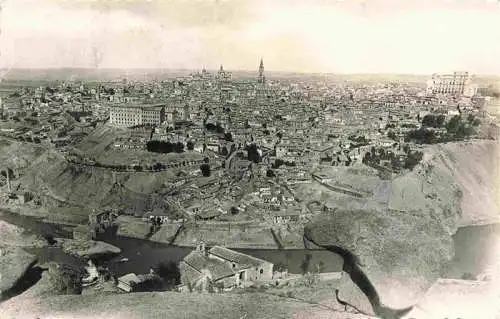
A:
[246,235]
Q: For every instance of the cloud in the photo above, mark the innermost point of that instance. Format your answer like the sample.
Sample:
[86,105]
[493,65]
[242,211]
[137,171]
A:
[176,13]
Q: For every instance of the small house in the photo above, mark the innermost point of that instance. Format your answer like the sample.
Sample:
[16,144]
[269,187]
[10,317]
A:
[158,215]
[222,267]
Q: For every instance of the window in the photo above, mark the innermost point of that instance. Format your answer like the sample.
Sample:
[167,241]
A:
[261,271]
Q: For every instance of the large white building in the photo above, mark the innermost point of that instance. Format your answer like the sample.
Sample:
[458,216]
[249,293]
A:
[128,116]
[456,83]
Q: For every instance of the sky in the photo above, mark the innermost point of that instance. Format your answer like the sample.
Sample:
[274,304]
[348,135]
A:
[331,36]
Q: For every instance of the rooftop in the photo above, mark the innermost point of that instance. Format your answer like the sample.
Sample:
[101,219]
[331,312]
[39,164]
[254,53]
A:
[236,257]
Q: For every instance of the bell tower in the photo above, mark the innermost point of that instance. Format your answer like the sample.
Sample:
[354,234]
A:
[262,78]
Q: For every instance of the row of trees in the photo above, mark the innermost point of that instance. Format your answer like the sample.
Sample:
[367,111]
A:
[165,147]
[457,128]
[408,161]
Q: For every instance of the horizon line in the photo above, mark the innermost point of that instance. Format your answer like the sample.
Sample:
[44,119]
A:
[243,70]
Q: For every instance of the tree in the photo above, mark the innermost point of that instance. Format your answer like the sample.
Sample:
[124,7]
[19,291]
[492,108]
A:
[391,135]
[205,170]
[169,272]
[219,129]
[412,159]
[234,210]
[453,125]
[422,136]
[270,173]
[431,120]
[253,153]
[179,147]
[277,163]
[406,148]
[304,266]
[224,151]
[65,278]
[228,136]
[190,145]
[280,267]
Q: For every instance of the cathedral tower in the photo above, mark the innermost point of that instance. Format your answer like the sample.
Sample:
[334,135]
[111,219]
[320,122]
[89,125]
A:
[262,78]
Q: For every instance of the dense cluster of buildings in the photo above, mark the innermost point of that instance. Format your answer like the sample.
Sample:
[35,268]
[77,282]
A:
[272,133]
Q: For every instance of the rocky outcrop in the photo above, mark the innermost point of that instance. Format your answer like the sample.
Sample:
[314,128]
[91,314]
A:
[14,260]
[14,263]
[88,248]
[402,240]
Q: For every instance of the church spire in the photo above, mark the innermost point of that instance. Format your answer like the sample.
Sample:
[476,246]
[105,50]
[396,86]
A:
[262,78]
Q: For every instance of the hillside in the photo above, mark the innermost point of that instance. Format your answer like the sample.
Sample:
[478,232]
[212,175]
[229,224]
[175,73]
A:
[69,185]
[403,238]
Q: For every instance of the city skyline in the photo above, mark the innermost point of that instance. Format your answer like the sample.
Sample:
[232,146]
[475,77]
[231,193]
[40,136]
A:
[342,37]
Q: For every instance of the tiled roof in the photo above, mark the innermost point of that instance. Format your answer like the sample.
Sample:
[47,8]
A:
[240,259]
[199,262]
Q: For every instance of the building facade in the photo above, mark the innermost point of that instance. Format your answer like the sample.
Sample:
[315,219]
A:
[455,83]
[222,267]
[128,116]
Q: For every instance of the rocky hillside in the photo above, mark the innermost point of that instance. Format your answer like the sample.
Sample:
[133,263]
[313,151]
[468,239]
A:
[65,184]
[475,167]
[14,260]
[402,235]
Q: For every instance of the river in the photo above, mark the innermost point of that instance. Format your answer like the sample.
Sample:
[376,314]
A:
[472,250]
[143,254]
